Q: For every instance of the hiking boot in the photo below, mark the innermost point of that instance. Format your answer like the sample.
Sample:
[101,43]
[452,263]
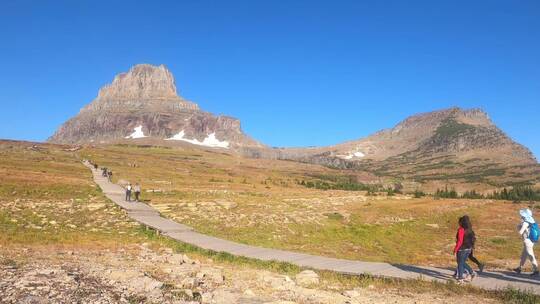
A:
[517,270]
[481,268]
[535,273]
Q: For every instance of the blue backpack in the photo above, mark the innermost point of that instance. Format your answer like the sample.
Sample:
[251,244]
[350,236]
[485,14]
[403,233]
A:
[533,232]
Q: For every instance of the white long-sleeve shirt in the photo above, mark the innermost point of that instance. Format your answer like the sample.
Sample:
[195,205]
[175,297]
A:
[524,230]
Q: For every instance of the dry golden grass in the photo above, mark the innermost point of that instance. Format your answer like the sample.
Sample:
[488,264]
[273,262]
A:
[49,203]
[259,202]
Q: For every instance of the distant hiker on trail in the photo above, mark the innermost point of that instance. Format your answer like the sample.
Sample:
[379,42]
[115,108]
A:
[137,190]
[95,166]
[128,192]
[528,229]
[464,243]
[109,175]
[104,171]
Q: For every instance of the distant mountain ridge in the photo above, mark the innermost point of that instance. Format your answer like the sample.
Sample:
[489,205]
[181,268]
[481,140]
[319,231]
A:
[451,130]
[434,149]
[464,146]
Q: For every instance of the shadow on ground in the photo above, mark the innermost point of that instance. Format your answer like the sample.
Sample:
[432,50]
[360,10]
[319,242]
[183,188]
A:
[446,274]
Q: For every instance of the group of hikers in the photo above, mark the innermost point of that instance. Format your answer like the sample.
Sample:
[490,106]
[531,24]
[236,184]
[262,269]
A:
[106,173]
[136,189]
[465,241]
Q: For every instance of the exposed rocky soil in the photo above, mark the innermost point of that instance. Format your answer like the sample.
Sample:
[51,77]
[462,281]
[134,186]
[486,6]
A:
[141,274]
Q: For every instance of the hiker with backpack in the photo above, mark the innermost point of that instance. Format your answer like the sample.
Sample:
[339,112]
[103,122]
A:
[528,229]
[465,239]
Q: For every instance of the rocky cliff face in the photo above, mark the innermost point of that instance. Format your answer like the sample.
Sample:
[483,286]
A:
[144,103]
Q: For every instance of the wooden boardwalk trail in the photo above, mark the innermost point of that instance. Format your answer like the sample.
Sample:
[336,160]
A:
[148,216]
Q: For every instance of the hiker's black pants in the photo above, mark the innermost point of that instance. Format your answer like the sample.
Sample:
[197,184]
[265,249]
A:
[473,259]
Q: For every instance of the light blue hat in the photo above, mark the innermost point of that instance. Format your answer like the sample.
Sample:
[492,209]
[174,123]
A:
[526,214]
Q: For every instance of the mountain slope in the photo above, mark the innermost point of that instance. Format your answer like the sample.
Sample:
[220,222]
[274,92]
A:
[449,146]
[143,104]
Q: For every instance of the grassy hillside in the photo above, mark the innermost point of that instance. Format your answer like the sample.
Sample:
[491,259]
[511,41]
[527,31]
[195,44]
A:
[62,240]
[260,202]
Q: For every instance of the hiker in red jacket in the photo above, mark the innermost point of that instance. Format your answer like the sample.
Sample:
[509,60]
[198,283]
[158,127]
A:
[464,243]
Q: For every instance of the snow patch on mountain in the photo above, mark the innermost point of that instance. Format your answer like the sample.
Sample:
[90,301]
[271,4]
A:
[209,141]
[138,133]
[356,154]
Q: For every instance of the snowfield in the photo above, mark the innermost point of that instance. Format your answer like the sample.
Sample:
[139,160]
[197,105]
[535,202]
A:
[138,133]
[209,141]
[356,154]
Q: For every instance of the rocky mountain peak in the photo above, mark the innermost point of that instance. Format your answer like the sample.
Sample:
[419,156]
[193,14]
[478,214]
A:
[430,120]
[143,81]
[143,104]
[475,117]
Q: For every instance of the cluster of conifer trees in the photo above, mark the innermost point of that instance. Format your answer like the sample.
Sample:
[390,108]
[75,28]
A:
[516,193]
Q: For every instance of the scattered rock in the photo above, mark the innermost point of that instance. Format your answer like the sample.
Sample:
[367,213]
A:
[189,283]
[176,259]
[212,274]
[307,278]
[351,293]
[249,292]
[227,204]
[277,282]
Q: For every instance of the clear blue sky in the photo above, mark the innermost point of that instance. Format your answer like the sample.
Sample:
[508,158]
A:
[296,73]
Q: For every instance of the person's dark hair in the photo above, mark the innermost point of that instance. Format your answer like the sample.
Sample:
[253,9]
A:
[465,223]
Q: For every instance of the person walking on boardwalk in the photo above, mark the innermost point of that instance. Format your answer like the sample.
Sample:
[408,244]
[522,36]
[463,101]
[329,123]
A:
[528,230]
[137,190]
[109,175]
[128,192]
[472,258]
[464,243]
